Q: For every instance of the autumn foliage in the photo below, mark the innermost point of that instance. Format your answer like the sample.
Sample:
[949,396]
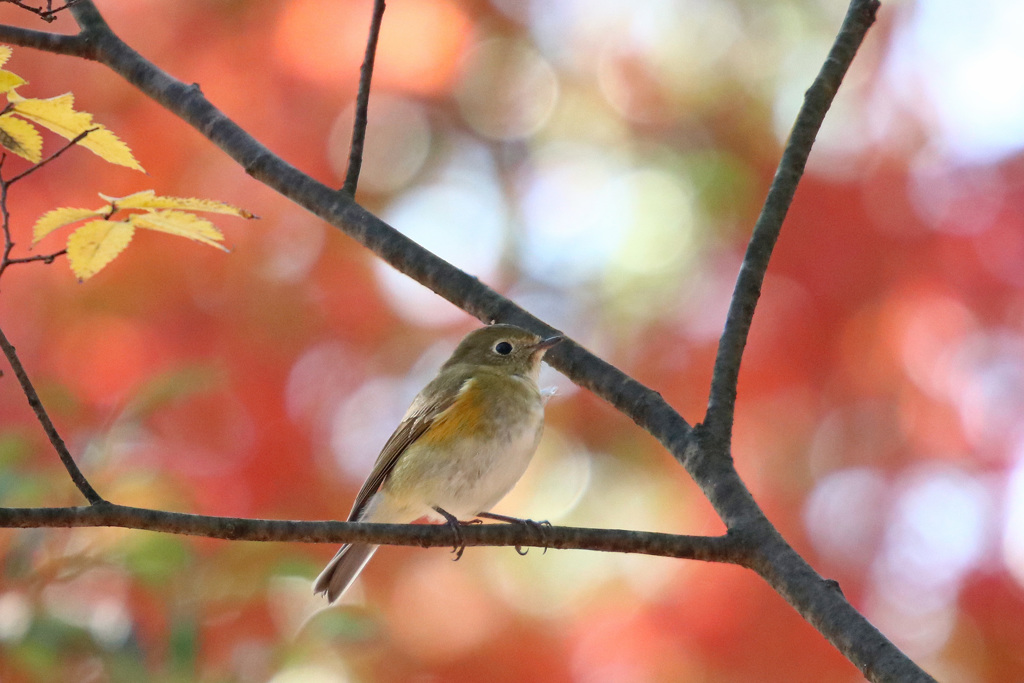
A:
[607,186]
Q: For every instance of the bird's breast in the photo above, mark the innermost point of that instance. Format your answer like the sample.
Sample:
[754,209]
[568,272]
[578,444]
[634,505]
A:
[476,450]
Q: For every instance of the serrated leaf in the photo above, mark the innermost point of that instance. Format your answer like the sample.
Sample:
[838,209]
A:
[180,223]
[21,137]
[58,218]
[128,201]
[58,115]
[10,80]
[148,199]
[95,244]
[5,54]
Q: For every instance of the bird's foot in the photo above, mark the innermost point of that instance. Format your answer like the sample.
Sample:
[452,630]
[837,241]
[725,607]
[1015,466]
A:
[453,523]
[538,527]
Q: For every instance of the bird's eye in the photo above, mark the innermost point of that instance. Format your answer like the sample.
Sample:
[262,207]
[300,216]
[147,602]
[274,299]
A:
[503,348]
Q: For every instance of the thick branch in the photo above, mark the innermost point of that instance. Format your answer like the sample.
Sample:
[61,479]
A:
[773,558]
[56,43]
[644,406]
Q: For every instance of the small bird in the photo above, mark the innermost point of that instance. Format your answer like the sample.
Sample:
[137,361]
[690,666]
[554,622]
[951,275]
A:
[463,444]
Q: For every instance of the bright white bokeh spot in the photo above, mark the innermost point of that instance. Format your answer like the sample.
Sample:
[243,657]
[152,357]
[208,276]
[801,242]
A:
[921,629]
[322,377]
[367,416]
[658,216]
[932,335]
[990,397]
[940,526]
[571,229]
[310,673]
[461,218]
[587,212]
[557,479]
[955,199]
[363,423]
[968,62]
[842,132]
[843,514]
[292,247]
[939,530]
[15,616]
[507,91]
[397,144]
[110,622]
[1013,526]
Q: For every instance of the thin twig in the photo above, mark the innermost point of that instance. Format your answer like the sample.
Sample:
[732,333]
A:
[5,259]
[6,262]
[49,14]
[817,100]
[35,167]
[355,151]
[45,258]
[777,563]
[44,419]
[5,221]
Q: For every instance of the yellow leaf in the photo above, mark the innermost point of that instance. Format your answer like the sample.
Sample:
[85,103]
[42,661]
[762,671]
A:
[21,137]
[182,224]
[96,244]
[133,200]
[58,218]
[10,80]
[5,54]
[58,114]
[148,199]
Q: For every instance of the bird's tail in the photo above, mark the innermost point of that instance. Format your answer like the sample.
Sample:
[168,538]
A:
[343,570]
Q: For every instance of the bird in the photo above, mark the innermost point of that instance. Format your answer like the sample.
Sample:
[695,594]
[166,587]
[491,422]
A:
[462,445]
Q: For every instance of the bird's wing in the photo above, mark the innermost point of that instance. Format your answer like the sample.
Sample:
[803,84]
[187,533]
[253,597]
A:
[417,420]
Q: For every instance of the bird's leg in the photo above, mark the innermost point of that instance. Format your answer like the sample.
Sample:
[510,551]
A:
[536,526]
[453,523]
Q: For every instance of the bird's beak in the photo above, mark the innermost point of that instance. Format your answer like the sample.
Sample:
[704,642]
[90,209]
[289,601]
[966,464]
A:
[545,344]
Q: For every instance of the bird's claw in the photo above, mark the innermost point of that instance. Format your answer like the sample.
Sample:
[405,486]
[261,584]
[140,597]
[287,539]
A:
[536,526]
[453,523]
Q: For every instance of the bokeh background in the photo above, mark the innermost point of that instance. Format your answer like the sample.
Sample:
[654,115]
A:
[601,163]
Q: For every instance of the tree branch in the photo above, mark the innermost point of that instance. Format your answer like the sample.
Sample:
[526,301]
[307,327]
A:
[48,14]
[57,43]
[51,432]
[355,150]
[817,100]
[45,258]
[707,548]
[703,452]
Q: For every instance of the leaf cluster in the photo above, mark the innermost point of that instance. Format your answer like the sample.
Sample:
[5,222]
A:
[56,114]
[98,241]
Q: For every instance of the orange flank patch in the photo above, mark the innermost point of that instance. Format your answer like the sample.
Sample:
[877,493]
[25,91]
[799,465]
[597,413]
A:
[461,417]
